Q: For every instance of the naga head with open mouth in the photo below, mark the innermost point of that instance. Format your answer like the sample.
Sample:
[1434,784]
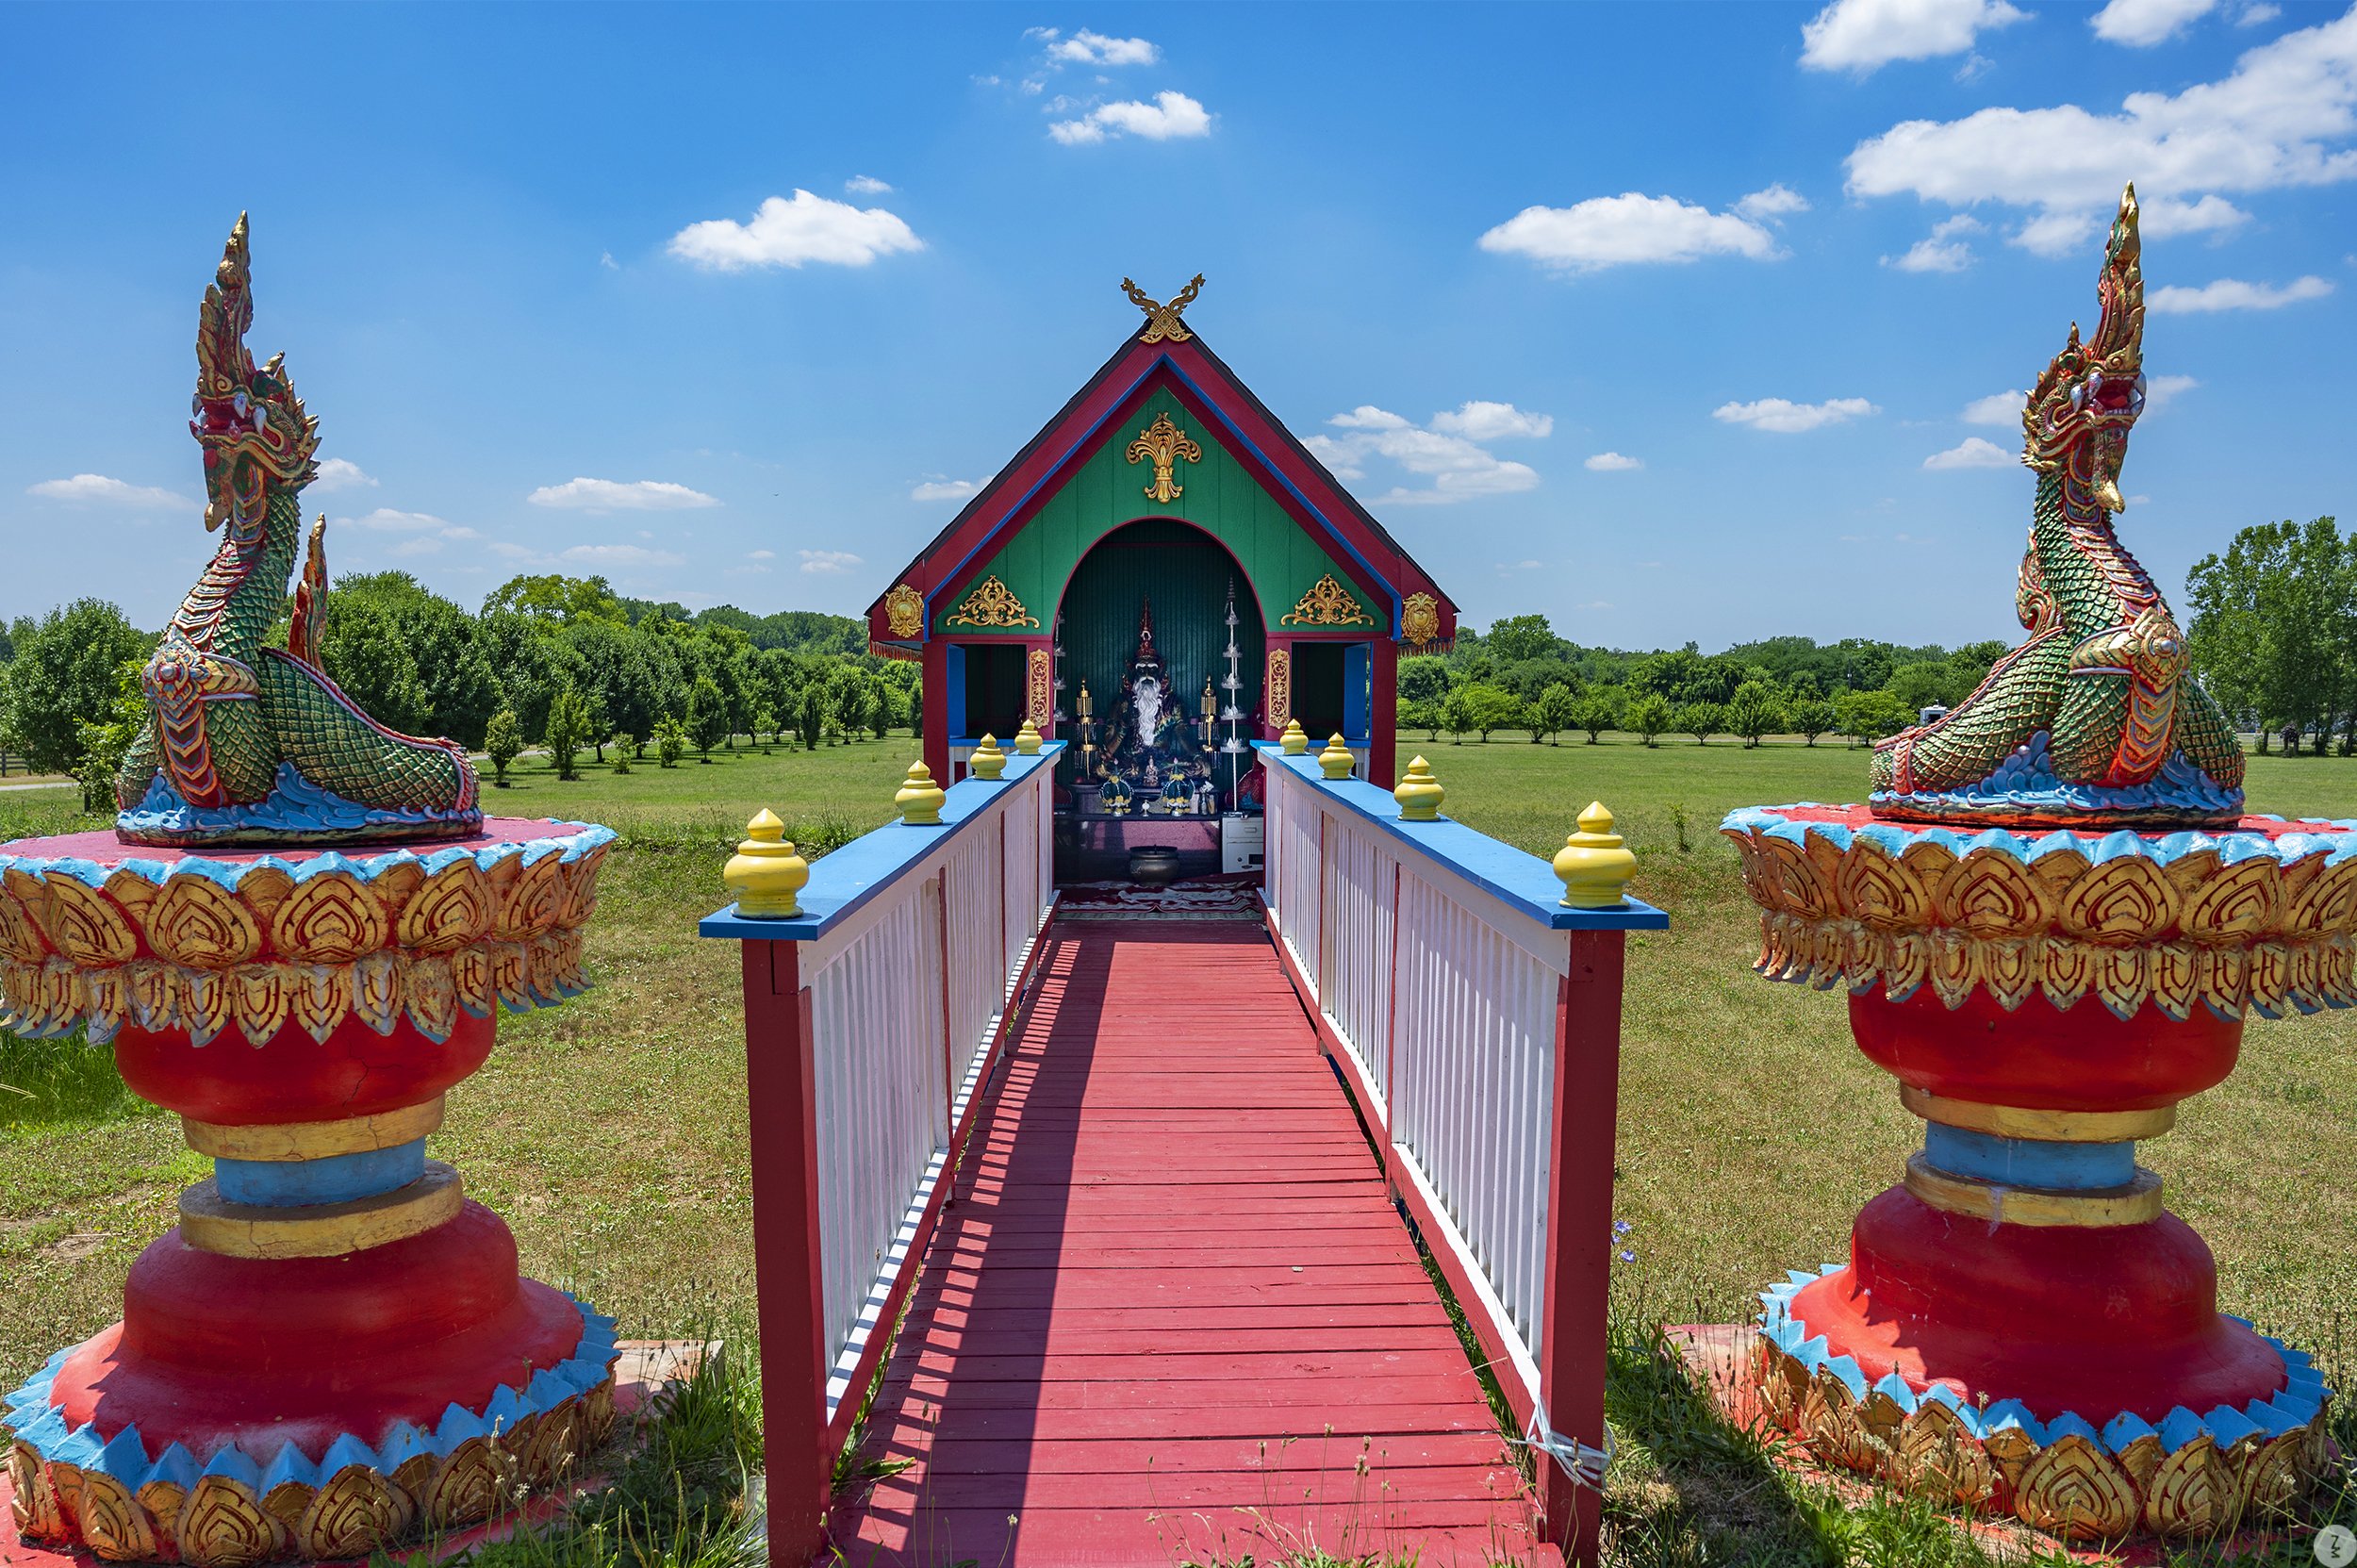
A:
[249,420]
[2083,405]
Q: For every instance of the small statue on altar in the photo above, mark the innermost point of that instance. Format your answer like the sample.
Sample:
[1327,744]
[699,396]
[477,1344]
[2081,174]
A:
[1150,740]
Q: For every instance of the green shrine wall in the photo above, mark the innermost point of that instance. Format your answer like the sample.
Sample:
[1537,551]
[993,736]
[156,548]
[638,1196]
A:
[1281,560]
[1186,576]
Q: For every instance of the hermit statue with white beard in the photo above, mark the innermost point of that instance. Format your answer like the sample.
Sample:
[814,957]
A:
[1150,736]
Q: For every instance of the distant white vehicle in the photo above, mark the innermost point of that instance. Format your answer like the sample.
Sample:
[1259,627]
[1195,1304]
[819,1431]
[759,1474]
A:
[1930,715]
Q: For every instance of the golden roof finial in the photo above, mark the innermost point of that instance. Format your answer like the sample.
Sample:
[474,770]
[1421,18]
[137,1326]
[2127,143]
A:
[1161,321]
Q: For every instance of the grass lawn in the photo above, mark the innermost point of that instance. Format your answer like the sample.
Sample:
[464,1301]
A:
[611,1133]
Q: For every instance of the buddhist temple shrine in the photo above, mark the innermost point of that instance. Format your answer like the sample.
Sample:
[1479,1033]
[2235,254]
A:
[1162,575]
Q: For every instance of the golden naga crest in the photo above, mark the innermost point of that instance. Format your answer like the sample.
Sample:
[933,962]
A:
[2087,398]
[1326,603]
[1161,321]
[904,611]
[1165,444]
[248,419]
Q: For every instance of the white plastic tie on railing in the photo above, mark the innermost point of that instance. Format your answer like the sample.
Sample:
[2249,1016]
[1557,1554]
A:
[1583,1463]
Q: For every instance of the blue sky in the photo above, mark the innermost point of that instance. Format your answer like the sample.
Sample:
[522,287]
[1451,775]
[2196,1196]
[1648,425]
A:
[1657,319]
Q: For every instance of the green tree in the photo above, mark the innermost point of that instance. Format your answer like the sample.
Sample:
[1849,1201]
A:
[1457,713]
[1648,715]
[502,742]
[1420,714]
[1812,716]
[1596,712]
[2272,632]
[812,715]
[1557,710]
[1700,719]
[670,740]
[65,675]
[365,649]
[562,599]
[764,723]
[1423,678]
[570,725]
[107,741]
[1491,707]
[880,710]
[1756,709]
[1928,685]
[1519,638]
[1867,715]
[707,714]
[624,743]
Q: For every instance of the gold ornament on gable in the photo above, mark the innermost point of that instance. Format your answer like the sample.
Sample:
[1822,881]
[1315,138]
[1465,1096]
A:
[1326,603]
[1164,445]
[904,611]
[1419,619]
[991,603]
[1161,321]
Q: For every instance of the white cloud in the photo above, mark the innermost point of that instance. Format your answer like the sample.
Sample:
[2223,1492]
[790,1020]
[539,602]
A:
[867,184]
[1943,250]
[945,489]
[1773,203]
[788,233]
[2161,391]
[336,474]
[421,532]
[1613,231]
[1611,462]
[2254,15]
[1971,452]
[2282,117]
[1171,114]
[2141,23]
[1460,468]
[2233,294]
[1087,48]
[827,562]
[110,492]
[761,555]
[606,259]
[1999,408]
[1788,417]
[386,520]
[607,495]
[620,556]
[1864,35]
[1491,422]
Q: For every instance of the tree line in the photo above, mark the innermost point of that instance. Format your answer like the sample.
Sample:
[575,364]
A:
[2274,633]
[562,663]
[1520,678]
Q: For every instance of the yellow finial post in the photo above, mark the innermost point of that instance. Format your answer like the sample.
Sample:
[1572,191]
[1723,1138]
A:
[1419,794]
[1336,762]
[988,761]
[1027,740]
[765,873]
[1594,863]
[1295,739]
[920,798]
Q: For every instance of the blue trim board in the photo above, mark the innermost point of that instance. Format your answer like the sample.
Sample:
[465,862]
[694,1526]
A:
[336,1179]
[1521,881]
[844,882]
[2027,1161]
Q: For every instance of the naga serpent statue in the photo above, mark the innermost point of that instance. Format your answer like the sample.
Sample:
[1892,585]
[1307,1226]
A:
[2094,719]
[247,742]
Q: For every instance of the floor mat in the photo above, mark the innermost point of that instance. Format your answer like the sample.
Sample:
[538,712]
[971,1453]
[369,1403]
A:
[1228,897]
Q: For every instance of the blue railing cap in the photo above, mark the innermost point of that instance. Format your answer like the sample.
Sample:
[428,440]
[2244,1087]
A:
[846,880]
[1521,881]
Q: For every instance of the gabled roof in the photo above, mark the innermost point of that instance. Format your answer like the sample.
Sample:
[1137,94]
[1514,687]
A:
[1274,455]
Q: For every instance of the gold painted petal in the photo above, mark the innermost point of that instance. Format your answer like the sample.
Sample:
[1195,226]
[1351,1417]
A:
[2075,1489]
[468,1485]
[349,1517]
[2190,1492]
[330,919]
[223,1525]
[264,997]
[38,1516]
[432,997]
[452,909]
[87,926]
[204,995]
[2173,970]
[155,994]
[471,977]
[2124,899]
[2238,903]
[376,991]
[321,997]
[530,901]
[1938,1455]
[195,924]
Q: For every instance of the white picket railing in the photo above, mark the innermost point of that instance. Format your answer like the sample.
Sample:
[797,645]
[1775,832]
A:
[911,949]
[1436,961]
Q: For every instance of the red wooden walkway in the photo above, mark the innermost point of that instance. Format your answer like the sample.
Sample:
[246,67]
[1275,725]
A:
[1170,1308]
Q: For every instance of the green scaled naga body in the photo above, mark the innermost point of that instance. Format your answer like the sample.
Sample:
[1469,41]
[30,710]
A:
[2095,720]
[248,742]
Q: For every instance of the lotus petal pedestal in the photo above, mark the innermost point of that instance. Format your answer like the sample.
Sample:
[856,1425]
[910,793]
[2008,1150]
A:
[2022,1326]
[334,1344]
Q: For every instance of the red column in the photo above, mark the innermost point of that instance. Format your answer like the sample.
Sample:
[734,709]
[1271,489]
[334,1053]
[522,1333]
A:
[1383,715]
[937,719]
[1579,1228]
[781,1093]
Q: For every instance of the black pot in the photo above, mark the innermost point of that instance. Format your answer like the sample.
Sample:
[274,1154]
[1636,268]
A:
[1154,864]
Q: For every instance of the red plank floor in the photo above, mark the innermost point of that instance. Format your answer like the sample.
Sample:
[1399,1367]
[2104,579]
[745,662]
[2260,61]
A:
[1170,1315]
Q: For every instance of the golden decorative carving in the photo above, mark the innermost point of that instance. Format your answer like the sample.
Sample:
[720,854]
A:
[1326,603]
[991,603]
[1041,689]
[223,1525]
[904,611]
[1280,688]
[1419,619]
[2070,1487]
[1161,321]
[1164,445]
[2133,1204]
[2063,1127]
[315,1140]
[2269,936]
[272,953]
